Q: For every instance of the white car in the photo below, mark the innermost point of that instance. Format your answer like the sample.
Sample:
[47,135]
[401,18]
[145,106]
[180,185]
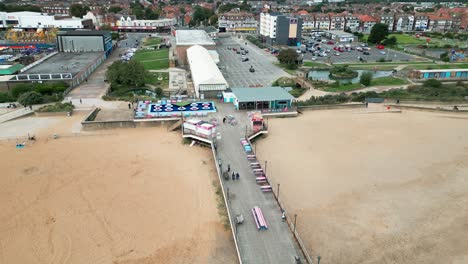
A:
[382,52]
[337,54]
[314,58]
[132,50]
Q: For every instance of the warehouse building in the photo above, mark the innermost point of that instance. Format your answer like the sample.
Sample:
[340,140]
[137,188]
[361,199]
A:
[84,41]
[340,36]
[262,98]
[35,20]
[188,38]
[207,79]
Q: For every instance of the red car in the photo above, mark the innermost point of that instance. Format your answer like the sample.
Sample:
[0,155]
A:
[380,46]
[330,43]
[335,48]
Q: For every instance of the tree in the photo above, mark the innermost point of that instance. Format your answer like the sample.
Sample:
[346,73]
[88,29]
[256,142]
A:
[159,92]
[182,10]
[30,98]
[78,10]
[432,83]
[150,14]
[131,74]
[201,15]
[115,9]
[106,27]
[213,20]
[391,41]
[366,78]
[378,33]
[287,56]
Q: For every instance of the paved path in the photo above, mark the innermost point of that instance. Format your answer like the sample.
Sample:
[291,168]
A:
[275,245]
[18,113]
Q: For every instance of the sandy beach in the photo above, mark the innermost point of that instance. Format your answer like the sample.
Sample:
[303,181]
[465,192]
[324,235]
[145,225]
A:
[128,196]
[374,188]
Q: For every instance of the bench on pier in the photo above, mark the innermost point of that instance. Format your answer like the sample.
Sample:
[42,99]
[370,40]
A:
[259,174]
[261,179]
[251,157]
[255,165]
[266,188]
[259,219]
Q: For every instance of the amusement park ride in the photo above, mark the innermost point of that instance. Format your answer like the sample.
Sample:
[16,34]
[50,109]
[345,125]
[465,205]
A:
[38,36]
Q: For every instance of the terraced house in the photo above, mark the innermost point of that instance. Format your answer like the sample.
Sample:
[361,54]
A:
[237,22]
[337,21]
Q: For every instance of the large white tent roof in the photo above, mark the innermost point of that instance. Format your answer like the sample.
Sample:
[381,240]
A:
[204,69]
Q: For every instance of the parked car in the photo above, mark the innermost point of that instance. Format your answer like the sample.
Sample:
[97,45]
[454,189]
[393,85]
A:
[246,51]
[238,52]
[359,49]
[314,58]
[330,43]
[298,51]
[229,48]
[243,52]
[244,59]
[251,69]
[234,49]
[366,53]
[242,48]
[380,46]
[382,52]
[336,54]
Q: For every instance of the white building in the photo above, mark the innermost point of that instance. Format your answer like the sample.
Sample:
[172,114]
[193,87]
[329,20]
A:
[421,22]
[34,20]
[208,80]
[128,23]
[268,25]
[404,22]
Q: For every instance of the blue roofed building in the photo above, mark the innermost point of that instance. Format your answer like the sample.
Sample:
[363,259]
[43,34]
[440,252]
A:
[262,98]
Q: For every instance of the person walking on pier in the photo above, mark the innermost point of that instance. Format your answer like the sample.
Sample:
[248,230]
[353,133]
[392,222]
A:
[229,168]
[233,176]
[237,175]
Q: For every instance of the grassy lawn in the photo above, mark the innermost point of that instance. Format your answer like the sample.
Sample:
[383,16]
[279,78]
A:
[297,92]
[383,81]
[154,79]
[343,87]
[156,65]
[403,39]
[153,60]
[152,41]
[145,55]
[438,66]
[314,64]
[373,67]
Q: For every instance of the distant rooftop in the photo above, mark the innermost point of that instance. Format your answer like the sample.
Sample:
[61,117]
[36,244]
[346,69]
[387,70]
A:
[193,37]
[84,33]
[65,62]
[261,94]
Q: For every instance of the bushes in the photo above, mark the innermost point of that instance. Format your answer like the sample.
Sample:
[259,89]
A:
[5,97]
[42,88]
[30,98]
[58,107]
[433,83]
[366,78]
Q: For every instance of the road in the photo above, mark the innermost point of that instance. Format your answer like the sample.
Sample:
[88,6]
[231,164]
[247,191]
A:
[91,91]
[237,72]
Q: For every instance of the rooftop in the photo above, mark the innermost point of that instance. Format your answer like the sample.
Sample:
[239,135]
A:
[261,94]
[10,69]
[193,37]
[65,62]
[84,33]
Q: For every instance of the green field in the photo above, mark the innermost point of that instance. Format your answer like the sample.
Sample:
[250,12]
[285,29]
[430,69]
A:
[156,65]
[403,39]
[153,60]
[153,79]
[383,81]
[152,41]
[343,87]
[314,64]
